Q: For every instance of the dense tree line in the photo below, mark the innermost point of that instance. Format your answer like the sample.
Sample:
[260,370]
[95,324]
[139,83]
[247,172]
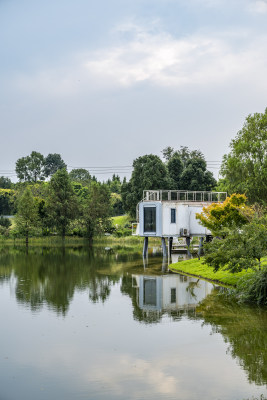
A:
[182,170]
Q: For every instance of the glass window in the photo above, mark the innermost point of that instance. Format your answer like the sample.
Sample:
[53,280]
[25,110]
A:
[173,295]
[173,216]
[150,292]
[149,219]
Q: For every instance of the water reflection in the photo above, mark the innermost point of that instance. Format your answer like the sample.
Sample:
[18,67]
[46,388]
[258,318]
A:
[153,296]
[50,278]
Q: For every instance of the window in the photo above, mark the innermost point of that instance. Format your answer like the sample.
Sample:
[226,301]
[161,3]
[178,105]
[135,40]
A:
[150,292]
[149,219]
[173,295]
[173,216]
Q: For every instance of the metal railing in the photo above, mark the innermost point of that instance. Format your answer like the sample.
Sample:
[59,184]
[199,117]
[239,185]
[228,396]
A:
[183,195]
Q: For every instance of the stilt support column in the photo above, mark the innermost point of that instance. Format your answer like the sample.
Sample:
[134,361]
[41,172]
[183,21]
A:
[164,248]
[145,248]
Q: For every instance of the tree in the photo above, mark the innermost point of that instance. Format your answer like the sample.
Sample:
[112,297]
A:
[167,153]
[52,163]
[5,183]
[149,173]
[220,217]
[240,249]
[114,184]
[95,209]
[80,175]
[175,167]
[62,205]
[188,170]
[26,218]
[195,176]
[31,168]
[245,167]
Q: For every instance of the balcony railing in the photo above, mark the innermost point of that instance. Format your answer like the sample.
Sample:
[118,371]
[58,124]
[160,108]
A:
[183,195]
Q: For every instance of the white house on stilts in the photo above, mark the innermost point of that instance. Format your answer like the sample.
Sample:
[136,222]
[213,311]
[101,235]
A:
[172,213]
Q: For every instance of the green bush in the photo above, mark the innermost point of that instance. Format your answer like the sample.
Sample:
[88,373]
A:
[253,289]
[5,222]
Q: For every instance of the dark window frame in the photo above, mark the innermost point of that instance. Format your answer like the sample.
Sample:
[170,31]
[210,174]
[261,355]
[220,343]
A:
[173,215]
[173,295]
[150,219]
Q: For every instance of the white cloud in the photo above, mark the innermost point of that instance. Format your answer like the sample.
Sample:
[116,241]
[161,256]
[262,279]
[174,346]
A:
[258,6]
[164,60]
[157,58]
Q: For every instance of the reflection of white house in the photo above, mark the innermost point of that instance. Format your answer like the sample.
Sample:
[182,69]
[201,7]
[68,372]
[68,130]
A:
[170,213]
[169,292]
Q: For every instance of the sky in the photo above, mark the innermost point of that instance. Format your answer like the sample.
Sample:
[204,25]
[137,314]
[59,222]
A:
[104,82]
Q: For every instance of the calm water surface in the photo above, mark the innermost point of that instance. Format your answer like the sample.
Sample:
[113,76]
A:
[98,324]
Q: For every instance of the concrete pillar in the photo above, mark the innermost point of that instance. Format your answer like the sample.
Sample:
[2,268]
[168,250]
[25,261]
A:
[170,239]
[200,247]
[164,248]
[145,248]
[188,240]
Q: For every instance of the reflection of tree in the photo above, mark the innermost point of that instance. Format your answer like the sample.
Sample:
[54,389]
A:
[244,328]
[51,276]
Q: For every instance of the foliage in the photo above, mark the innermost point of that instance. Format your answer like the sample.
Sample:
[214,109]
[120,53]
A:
[167,153]
[254,288]
[62,204]
[80,175]
[114,184]
[245,167]
[188,169]
[31,168]
[95,209]
[52,163]
[5,183]
[175,167]
[116,204]
[7,199]
[240,249]
[233,212]
[149,172]
[26,218]
[5,222]
[195,176]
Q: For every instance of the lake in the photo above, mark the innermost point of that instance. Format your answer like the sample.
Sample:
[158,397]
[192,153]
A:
[99,323]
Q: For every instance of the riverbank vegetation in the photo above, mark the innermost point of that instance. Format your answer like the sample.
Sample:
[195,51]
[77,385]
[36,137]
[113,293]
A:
[48,201]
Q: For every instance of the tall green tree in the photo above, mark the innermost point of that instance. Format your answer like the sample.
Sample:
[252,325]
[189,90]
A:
[52,163]
[80,175]
[149,173]
[62,204]
[5,183]
[96,209]
[31,168]
[245,167]
[188,170]
[26,218]
[175,167]
[195,176]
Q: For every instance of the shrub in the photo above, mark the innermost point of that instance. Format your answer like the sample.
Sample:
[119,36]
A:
[253,288]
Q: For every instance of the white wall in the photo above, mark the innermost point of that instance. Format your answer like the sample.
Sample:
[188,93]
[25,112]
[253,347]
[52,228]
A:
[185,218]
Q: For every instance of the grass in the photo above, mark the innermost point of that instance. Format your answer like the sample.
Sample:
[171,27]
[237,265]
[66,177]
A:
[196,267]
[121,220]
[55,241]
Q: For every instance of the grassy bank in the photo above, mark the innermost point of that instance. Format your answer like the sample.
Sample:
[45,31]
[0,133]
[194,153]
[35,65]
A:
[55,241]
[196,268]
